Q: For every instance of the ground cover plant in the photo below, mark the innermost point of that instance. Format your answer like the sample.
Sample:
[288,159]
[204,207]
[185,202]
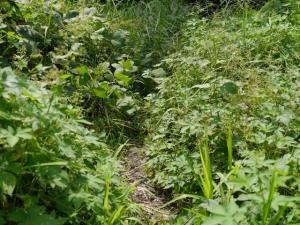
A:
[203,94]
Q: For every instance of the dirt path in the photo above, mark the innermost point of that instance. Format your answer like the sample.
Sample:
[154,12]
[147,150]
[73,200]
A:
[145,193]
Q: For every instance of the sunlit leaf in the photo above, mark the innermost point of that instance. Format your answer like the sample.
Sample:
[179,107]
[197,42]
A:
[7,182]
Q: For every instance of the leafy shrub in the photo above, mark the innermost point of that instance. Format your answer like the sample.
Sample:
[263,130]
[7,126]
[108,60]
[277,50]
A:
[77,43]
[52,167]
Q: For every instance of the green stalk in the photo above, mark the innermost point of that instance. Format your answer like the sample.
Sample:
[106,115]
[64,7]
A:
[245,19]
[49,19]
[267,205]
[106,194]
[229,147]
[206,179]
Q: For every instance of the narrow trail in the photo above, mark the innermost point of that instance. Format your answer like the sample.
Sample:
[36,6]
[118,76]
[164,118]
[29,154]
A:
[145,193]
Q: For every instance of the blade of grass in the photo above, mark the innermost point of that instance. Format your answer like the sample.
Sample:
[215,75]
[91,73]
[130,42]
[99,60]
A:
[180,197]
[267,205]
[277,217]
[116,215]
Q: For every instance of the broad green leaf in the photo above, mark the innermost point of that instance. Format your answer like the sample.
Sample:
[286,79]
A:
[24,133]
[229,88]
[122,78]
[82,70]
[214,220]
[12,140]
[13,136]
[101,93]
[7,182]
[217,209]
[127,64]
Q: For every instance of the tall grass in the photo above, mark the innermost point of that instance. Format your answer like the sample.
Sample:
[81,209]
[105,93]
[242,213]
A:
[152,26]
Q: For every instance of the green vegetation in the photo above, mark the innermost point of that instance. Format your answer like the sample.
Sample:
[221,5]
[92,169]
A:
[210,90]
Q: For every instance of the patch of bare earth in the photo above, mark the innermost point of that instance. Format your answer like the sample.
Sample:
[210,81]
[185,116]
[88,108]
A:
[145,192]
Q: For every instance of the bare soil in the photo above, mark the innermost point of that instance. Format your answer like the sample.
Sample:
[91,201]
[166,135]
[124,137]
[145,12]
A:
[145,194]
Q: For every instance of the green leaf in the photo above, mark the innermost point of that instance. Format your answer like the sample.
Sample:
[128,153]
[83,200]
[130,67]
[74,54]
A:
[4,115]
[103,90]
[180,197]
[229,147]
[160,72]
[24,133]
[49,164]
[228,214]
[106,194]
[82,70]
[229,88]
[116,215]
[127,64]
[65,76]
[12,140]
[123,79]
[215,220]
[101,93]
[217,209]
[7,182]
[276,218]
[12,136]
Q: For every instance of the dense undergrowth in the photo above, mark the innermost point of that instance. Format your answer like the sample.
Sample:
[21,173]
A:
[225,124]
[212,86]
